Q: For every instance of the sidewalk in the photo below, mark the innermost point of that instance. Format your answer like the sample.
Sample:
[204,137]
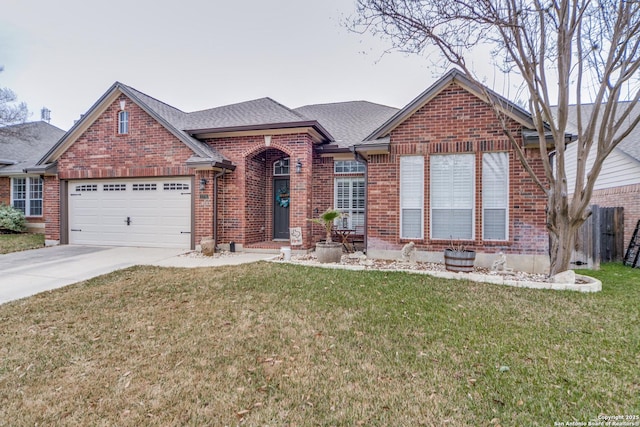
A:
[27,273]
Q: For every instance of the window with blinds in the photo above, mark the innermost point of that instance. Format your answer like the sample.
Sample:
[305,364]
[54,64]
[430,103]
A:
[349,199]
[123,122]
[495,196]
[452,196]
[411,197]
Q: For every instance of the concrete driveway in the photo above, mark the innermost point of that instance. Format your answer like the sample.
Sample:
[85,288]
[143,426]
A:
[30,272]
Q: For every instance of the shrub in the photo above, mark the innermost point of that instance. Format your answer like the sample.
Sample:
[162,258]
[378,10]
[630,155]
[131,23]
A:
[11,219]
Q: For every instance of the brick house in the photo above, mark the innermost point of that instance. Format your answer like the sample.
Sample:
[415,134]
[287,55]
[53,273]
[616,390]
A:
[136,171]
[21,146]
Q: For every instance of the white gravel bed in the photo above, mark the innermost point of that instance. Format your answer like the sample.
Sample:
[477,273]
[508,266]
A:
[358,261]
[379,264]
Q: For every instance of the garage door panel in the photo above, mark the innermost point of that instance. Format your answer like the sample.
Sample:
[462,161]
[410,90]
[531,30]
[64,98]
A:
[98,212]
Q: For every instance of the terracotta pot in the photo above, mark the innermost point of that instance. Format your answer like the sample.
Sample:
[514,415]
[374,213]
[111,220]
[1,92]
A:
[328,252]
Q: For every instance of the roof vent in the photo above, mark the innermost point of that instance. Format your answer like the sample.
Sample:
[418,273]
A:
[45,114]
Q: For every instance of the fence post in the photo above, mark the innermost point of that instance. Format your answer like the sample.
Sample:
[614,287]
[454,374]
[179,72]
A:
[596,231]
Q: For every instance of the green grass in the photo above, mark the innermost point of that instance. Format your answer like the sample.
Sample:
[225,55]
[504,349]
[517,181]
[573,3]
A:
[272,344]
[20,242]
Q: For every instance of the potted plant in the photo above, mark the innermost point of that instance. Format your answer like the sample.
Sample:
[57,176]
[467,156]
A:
[457,258]
[328,251]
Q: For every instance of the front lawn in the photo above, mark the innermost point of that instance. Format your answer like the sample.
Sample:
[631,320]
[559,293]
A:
[272,344]
[20,242]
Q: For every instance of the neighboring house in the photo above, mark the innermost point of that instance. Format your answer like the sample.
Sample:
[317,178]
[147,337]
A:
[136,171]
[21,146]
[619,181]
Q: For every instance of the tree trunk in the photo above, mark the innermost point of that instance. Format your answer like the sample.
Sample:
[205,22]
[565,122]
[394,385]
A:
[561,248]
[562,233]
[561,236]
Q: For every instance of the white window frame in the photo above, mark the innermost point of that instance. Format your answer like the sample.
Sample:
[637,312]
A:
[123,122]
[495,190]
[456,196]
[341,167]
[354,218]
[411,193]
[33,192]
[282,167]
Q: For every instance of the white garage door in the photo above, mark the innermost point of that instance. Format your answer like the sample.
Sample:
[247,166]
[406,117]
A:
[137,212]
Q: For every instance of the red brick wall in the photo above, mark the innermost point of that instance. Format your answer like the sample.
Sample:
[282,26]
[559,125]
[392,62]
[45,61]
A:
[383,189]
[51,207]
[147,150]
[203,212]
[455,122]
[245,213]
[629,198]
[323,186]
[259,205]
[5,190]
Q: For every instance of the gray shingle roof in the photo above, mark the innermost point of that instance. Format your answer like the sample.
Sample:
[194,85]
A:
[24,144]
[348,122]
[176,120]
[256,112]
[630,145]
[169,113]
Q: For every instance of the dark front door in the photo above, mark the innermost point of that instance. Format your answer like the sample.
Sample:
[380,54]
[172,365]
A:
[281,208]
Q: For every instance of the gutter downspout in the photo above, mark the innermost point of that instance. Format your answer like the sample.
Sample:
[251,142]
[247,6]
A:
[215,207]
[360,158]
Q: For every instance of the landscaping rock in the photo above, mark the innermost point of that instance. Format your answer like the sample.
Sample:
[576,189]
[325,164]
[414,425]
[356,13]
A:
[208,246]
[568,276]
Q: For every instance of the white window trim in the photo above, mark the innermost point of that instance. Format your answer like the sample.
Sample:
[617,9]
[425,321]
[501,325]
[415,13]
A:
[508,202]
[288,165]
[27,196]
[357,172]
[473,204]
[123,125]
[420,191]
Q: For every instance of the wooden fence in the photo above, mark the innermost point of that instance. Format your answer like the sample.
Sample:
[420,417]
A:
[600,239]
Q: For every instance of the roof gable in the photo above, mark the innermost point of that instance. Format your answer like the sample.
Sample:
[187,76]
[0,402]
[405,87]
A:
[452,76]
[169,117]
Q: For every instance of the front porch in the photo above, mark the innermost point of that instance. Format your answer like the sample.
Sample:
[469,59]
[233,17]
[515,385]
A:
[273,247]
[267,195]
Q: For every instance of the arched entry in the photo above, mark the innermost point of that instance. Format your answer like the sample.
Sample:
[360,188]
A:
[267,196]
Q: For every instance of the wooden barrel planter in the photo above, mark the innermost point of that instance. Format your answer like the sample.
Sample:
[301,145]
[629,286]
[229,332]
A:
[459,261]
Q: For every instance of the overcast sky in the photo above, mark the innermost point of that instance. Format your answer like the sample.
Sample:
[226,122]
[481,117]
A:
[197,54]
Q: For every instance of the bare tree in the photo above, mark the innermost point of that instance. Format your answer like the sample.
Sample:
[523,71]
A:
[564,50]
[11,111]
